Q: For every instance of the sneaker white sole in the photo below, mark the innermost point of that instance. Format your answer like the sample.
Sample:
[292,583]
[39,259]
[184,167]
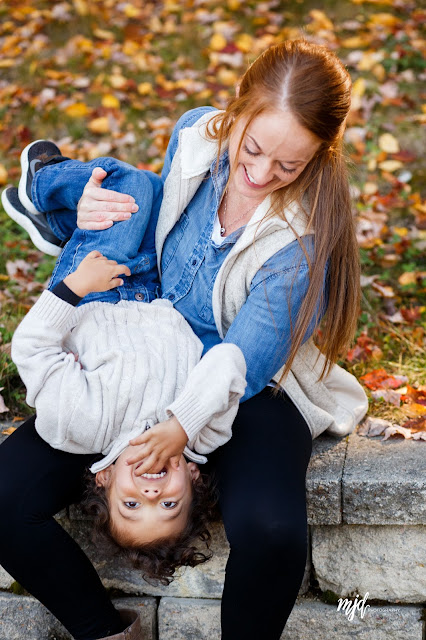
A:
[22,187]
[24,222]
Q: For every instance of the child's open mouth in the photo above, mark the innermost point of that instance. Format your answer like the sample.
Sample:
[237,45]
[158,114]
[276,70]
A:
[154,476]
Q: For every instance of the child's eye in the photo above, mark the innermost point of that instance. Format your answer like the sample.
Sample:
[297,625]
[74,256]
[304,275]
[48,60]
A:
[169,505]
[132,505]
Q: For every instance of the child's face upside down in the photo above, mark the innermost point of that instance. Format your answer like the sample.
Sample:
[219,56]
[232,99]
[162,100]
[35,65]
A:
[144,509]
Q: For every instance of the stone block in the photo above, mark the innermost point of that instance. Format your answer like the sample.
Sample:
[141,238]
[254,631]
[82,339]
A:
[384,482]
[24,617]
[323,480]
[193,619]
[315,619]
[387,561]
[6,580]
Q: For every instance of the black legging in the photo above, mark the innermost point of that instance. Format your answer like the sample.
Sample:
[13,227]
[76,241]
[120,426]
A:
[261,473]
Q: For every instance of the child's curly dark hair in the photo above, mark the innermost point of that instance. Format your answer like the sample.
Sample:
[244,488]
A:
[158,560]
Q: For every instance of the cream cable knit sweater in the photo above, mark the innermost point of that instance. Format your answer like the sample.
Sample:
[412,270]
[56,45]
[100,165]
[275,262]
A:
[136,367]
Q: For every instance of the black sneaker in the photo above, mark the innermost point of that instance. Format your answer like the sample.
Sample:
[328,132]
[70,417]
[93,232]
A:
[36,225]
[34,156]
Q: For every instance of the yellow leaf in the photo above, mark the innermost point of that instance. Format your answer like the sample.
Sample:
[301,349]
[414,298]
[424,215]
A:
[369,59]
[244,42]
[234,5]
[103,34]
[370,188]
[358,87]
[379,71]
[227,77]
[145,88]
[390,165]
[401,231]
[118,81]
[355,42]
[99,125]
[414,409]
[217,42]
[9,431]
[4,277]
[81,7]
[388,143]
[3,174]
[409,277]
[384,19]
[77,110]
[372,164]
[6,63]
[110,101]
[131,11]
[322,22]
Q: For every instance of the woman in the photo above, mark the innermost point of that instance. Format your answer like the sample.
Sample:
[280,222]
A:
[254,240]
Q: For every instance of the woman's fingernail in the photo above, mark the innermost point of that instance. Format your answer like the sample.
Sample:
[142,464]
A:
[135,207]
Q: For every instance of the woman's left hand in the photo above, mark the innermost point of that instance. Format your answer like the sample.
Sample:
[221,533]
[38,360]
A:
[156,446]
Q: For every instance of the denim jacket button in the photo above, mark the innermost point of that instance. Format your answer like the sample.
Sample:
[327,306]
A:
[172,296]
[139,296]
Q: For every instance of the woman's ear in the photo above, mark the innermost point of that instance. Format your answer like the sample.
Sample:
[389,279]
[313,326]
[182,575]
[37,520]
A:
[103,477]
[193,470]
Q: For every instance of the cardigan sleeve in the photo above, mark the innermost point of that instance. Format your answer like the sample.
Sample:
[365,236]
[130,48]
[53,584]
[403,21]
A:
[53,378]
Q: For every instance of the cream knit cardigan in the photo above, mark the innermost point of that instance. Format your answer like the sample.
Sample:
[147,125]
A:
[138,364]
[335,404]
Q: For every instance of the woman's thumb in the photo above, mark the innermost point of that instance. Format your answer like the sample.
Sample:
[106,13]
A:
[98,175]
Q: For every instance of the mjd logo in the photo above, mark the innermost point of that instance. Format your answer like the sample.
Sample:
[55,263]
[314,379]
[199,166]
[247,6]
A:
[350,607]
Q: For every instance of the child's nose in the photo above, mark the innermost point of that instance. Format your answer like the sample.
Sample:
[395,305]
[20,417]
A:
[151,494]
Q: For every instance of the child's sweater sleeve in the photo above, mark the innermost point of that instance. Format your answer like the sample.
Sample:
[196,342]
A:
[54,380]
[209,402]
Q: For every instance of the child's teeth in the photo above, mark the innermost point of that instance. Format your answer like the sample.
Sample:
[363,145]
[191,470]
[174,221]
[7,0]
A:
[154,475]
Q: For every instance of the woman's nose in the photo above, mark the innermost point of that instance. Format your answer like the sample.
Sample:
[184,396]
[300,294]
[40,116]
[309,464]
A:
[262,171]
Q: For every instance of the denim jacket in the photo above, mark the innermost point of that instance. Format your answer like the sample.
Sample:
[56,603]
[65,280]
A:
[257,290]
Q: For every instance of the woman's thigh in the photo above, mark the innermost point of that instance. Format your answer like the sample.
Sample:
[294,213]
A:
[261,476]
[37,481]
[261,471]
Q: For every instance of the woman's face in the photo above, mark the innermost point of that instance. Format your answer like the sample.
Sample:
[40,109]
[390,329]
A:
[274,151]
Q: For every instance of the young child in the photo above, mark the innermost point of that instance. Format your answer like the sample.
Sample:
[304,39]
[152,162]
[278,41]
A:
[102,368]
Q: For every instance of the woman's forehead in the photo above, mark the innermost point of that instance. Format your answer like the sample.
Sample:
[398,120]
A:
[279,134]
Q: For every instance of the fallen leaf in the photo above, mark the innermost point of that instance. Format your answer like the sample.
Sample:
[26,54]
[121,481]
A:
[9,431]
[380,379]
[388,143]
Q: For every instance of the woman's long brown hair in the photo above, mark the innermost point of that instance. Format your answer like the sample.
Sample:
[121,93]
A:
[310,81]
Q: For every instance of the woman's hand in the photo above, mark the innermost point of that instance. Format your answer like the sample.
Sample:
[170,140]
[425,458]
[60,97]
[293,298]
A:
[98,208]
[156,446]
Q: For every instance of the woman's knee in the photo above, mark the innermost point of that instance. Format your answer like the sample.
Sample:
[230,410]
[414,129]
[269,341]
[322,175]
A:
[268,535]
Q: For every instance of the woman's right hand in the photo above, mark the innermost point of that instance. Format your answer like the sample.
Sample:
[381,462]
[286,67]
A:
[98,208]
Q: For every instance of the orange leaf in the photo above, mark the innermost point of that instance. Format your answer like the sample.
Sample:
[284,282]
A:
[380,379]
[9,431]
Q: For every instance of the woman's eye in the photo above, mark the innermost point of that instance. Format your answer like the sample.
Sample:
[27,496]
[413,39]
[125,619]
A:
[132,505]
[283,168]
[251,153]
[169,505]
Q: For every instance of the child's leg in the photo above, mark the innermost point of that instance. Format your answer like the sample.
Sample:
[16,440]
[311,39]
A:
[131,242]
[57,188]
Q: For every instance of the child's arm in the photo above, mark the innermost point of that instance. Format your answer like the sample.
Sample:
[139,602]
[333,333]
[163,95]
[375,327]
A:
[55,381]
[203,413]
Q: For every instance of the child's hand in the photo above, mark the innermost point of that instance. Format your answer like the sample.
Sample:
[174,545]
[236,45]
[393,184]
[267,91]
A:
[164,441]
[96,273]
